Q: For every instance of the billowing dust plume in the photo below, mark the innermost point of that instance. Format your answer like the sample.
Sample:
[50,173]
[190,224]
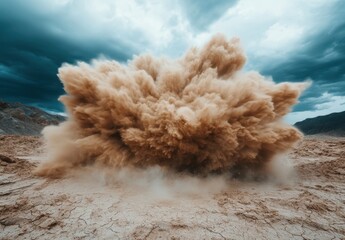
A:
[198,114]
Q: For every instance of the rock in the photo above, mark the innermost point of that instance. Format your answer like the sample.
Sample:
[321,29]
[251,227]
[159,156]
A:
[6,159]
[19,119]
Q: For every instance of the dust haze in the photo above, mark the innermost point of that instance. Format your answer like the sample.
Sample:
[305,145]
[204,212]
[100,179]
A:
[199,114]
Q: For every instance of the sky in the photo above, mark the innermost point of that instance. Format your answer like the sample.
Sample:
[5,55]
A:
[286,40]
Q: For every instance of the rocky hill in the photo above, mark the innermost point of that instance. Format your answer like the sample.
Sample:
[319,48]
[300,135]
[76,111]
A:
[332,124]
[20,119]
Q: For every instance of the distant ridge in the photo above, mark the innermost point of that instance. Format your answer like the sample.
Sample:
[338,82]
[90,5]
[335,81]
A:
[332,124]
[20,119]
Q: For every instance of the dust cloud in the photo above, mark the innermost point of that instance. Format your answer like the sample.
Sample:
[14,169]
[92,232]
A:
[150,184]
[198,114]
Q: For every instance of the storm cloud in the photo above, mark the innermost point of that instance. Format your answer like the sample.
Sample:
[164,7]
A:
[288,40]
[33,48]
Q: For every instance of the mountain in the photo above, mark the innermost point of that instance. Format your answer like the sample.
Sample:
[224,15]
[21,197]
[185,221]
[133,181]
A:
[332,124]
[20,119]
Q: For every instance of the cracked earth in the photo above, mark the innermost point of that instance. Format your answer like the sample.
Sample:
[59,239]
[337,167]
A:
[88,206]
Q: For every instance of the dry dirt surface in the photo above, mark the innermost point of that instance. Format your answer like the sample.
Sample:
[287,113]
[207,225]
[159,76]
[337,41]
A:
[309,204]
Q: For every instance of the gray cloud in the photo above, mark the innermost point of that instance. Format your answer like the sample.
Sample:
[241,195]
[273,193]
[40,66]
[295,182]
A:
[320,58]
[38,36]
[31,52]
[201,14]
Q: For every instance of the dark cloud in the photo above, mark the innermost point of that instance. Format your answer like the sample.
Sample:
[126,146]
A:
[321,58]
[31,52]
[38,36]
[201,14]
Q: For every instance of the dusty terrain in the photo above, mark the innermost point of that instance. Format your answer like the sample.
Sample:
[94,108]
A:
[309,204]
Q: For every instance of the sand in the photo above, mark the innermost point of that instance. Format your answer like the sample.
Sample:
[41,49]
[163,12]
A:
[308,204]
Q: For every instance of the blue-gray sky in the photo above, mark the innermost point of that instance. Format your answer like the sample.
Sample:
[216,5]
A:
[289,40]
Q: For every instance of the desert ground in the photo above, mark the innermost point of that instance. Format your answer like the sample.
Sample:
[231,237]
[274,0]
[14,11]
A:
[305,201]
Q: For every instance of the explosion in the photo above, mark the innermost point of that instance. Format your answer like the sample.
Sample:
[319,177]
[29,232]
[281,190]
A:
[198,114]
